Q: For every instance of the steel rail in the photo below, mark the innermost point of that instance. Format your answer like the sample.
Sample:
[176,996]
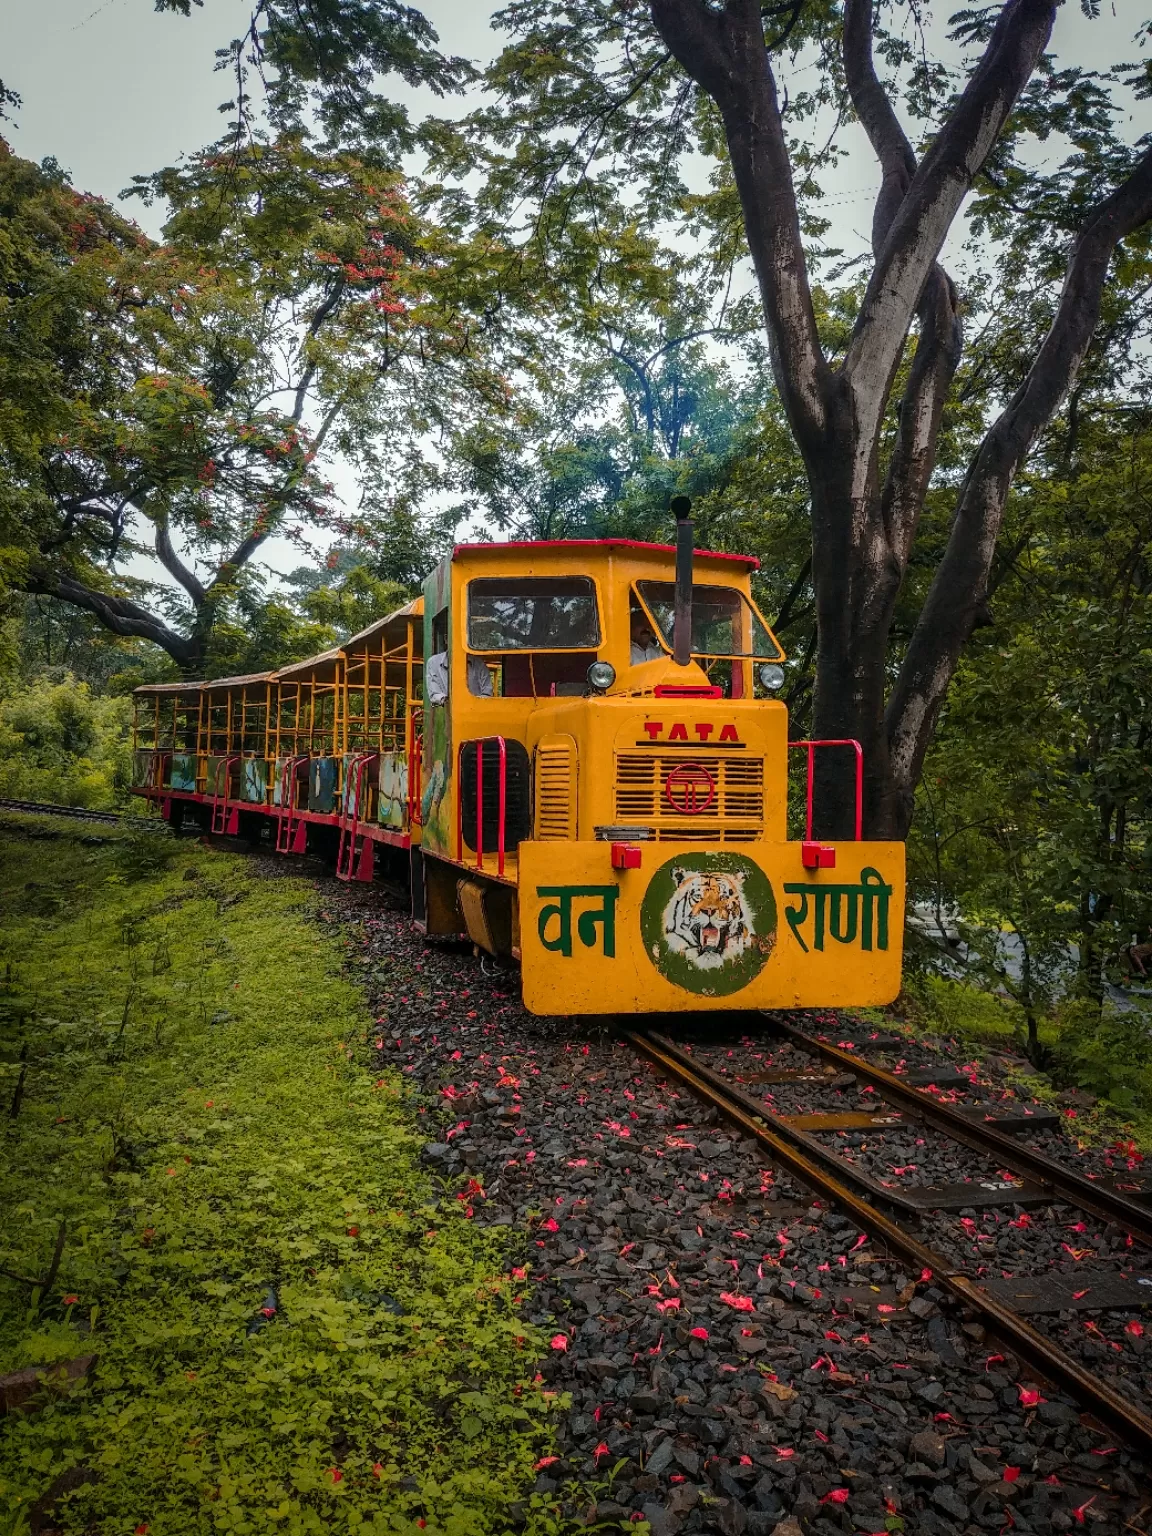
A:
[1064,1183]
[789,1149]
[76,812]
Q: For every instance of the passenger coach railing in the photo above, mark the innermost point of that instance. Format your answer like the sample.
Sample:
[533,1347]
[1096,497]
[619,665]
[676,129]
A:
[502,804]
[859,751]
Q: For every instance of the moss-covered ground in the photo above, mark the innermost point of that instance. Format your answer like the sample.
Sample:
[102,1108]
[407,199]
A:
[289,1333]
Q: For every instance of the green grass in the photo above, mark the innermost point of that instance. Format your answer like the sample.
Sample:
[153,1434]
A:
[197,1109]
[1103,1051]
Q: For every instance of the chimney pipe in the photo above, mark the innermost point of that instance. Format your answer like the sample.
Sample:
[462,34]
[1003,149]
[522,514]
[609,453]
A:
[682,612]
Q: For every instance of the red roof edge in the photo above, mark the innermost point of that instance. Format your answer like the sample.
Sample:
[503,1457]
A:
[664,549]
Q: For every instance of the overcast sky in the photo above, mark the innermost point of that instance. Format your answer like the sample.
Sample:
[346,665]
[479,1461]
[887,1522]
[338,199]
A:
[113,90]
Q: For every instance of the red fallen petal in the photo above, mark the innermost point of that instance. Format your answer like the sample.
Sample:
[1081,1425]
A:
[1011,1474]
[1078,1514]
[942,1418]
[745,1461]
[677,1477]
[837,1496]
[545,1461]
[560,1341]
[820,1435]
[336,1475]
[699,1333]
[377,1469]
[1135,1329]
[739,1303]
[551,1225]
[784,1450]
[601,1450]
[1030,1397]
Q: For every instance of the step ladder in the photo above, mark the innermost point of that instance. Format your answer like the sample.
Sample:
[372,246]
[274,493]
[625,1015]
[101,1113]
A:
[356,856]
[291,833]
[225,817]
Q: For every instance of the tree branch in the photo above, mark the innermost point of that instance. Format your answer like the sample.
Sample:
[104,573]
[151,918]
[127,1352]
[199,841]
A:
[119,614]
[913,458]
[959,590]
[933,198]
[173,564]
[724,52]
[877,117]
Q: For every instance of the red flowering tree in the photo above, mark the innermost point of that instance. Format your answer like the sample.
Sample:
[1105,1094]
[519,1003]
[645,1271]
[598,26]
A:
[295,312]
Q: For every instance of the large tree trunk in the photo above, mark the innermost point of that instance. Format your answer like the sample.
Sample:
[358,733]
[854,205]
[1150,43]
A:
[864,520]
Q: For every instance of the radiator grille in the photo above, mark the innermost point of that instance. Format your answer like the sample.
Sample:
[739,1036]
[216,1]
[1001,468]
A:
[556,789]
[735,815]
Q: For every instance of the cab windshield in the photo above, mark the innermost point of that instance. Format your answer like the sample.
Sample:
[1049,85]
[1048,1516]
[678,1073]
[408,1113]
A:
[533,613]
[724,622]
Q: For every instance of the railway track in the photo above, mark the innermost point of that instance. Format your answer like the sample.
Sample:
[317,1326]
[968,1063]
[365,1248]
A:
[79,813]
[799,1143]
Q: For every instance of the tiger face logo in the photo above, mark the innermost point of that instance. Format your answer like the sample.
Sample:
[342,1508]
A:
[707,919]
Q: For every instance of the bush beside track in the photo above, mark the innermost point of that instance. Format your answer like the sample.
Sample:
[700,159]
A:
[287,1336]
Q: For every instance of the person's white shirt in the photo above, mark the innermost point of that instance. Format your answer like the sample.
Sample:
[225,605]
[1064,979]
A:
[479,677]
[645,652]
[436,678]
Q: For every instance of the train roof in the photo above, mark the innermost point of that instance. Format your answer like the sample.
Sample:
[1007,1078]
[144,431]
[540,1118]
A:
[238,682]
[634,545]
[326,659]
[169,687]
[410,610]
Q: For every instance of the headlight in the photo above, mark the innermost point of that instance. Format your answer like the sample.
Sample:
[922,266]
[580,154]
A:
[601,676]
[772,676]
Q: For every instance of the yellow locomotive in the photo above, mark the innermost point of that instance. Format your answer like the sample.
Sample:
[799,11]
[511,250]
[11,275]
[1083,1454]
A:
[576,747]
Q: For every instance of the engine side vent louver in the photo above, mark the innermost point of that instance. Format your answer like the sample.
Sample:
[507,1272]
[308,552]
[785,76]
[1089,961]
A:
[556,768]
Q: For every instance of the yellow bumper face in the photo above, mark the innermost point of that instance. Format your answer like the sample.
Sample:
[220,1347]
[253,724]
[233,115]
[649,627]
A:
[695,930]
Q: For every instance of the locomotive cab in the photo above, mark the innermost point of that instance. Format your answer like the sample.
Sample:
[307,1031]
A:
[616,818]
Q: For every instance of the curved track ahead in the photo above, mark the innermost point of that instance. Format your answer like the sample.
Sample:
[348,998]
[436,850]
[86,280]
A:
[861,1197]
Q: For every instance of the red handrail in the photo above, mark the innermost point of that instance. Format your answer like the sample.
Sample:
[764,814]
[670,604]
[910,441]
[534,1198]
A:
[859,750]
[220,801]
[502,789]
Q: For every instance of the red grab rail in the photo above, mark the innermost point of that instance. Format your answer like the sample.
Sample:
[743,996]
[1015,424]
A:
[859,750]
[502,747]
[220,801]
[348,865]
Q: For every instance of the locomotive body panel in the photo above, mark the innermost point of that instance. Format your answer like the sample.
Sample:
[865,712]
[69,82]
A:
[690,928]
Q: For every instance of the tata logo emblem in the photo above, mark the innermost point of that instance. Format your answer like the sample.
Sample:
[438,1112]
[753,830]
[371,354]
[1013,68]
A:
[703,730]
[689,789]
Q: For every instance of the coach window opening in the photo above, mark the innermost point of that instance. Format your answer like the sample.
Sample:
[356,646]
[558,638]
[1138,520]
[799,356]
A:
[531,636]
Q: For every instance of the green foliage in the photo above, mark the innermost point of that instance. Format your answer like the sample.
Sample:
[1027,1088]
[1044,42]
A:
[61,743]
[322,66]
[1035,812]
[197,1109]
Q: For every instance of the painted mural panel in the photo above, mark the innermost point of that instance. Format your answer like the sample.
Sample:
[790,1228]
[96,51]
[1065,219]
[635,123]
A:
[322,775]
[219,782]
[182,774]
[255,785]
[357,785]
[144,769]
[439,835]
[392,805]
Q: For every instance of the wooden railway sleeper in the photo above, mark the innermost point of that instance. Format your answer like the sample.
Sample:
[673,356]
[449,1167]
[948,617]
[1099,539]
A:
[1063,1183]
[789,1148]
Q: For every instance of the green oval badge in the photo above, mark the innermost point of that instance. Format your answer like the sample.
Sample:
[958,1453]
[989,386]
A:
[708,921]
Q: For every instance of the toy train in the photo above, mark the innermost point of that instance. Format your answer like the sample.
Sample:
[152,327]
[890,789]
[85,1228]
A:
[575,748]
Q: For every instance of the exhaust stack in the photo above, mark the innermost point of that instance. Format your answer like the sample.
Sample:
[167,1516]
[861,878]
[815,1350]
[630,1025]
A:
[682,611]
